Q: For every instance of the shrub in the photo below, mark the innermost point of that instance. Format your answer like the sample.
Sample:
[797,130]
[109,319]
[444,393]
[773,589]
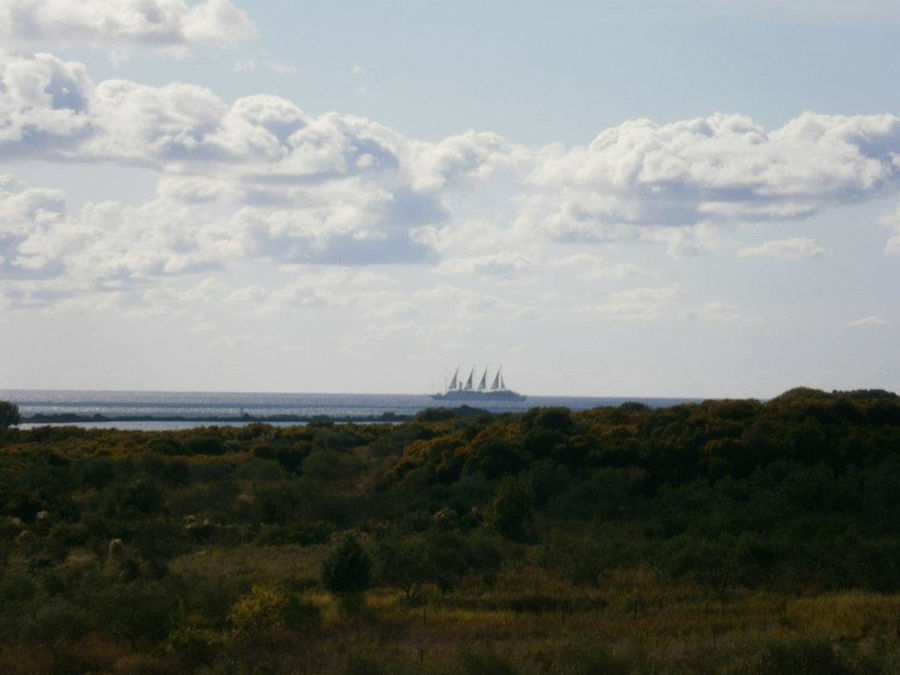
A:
[798,657]
[513,507]
[259,611]
[54,619]
[483,661]
[193,647]
[9,414]
[348,567]
[139,610]
[585,658]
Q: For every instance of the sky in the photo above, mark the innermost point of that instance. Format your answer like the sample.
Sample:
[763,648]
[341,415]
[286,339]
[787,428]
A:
[611,198]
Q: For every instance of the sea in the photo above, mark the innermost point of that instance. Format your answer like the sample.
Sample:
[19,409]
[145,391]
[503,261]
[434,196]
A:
[158,408]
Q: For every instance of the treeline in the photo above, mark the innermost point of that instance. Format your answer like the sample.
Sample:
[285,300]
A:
[180,548]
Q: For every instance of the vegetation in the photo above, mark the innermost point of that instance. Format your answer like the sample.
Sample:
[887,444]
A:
[9,414]
[726,536]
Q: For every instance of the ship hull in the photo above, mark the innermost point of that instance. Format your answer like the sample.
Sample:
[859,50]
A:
[479,396]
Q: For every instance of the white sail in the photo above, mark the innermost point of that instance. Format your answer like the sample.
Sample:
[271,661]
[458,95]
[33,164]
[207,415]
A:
[465,390]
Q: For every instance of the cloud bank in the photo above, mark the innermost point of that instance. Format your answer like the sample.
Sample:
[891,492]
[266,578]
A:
[259,179]
[170,25]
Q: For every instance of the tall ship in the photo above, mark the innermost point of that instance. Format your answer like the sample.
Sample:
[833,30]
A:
[466,391]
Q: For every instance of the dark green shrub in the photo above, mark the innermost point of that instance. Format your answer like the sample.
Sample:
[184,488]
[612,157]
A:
[798,657]
[588,658]
[485,661]
[204,445]
[348,567]
[193,647]
[54,619]
[9,414]
[137,611]
[513,507]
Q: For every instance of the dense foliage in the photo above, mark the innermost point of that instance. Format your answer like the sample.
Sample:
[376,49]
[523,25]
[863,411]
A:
[9,414]
[628,530]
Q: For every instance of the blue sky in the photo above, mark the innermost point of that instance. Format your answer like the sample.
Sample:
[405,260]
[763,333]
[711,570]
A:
[543,72]
[609,198]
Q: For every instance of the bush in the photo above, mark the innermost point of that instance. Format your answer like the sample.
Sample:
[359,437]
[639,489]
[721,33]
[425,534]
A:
[137,611]
[55,619]
[483,661]
[193,647]
[348,568]
[259,611]
[9,414]
[798,657]
[513,507]
[587,659]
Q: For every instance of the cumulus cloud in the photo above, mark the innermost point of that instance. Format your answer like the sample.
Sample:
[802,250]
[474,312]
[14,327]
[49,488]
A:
[718,169]
[171,25]
[259,179]
[28,217]
[43,105]
[796,248]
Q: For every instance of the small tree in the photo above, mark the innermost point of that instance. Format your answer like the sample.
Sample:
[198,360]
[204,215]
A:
[9,414]
[513,507]
[406,563]
[347,571]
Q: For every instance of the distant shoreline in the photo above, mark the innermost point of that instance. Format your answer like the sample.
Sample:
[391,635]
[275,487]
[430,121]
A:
[72,418]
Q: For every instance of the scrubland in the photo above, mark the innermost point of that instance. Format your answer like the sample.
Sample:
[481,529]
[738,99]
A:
[720,537]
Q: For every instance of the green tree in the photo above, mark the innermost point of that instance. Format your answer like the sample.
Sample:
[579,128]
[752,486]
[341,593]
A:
[348,568]
[406,563]
[9,414]
[513,507]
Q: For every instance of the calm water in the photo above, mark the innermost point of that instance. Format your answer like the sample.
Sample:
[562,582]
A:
[199,406]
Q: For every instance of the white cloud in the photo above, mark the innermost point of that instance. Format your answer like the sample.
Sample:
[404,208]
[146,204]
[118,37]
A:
[590,267]
[719,312]
[719,169]
[892,221]
[171,25]
[230,342]
[249,65]
[28,217]
[640,304]
[503,264]
[871,320]
[260,180]
[892,247]
[796,248]
[43,104]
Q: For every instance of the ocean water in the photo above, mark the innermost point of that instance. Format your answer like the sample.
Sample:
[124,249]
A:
[197,408]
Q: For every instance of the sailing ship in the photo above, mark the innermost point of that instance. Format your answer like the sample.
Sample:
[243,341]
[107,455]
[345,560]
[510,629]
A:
[467,391]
